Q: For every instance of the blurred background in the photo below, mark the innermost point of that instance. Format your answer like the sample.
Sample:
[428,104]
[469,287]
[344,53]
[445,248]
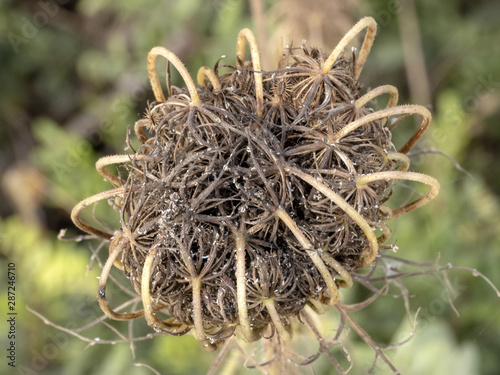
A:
[73,81]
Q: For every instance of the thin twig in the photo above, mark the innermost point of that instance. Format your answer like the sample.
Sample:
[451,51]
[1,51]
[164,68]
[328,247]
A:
[86,339]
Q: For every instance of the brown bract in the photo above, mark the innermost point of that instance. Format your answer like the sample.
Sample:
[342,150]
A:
[256,193]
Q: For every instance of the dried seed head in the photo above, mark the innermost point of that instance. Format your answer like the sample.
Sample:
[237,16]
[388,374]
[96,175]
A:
[259,197]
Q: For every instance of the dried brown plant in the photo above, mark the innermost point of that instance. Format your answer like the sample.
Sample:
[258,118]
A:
[256,195]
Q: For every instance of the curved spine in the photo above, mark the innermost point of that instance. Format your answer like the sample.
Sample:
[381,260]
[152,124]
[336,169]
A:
[244,36]
[367,22]
[155,82]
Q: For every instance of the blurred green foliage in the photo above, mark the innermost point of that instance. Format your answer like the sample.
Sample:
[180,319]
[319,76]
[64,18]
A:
[74,81]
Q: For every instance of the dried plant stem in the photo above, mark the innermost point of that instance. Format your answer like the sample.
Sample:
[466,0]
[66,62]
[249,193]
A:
[386,231]
[399,110]
[139,133]
[72,332]
[88,202]
[149,308]
[241,295]
[244,36]
[402,158]
[206,72]
[103,303]
[361,305]
[116,159]
[367,22]
[315,257]
[108,160]
[324,347]
[197,315]
[347,279]
[280,327]
[316,306]
[155,82]
[397,175]
[115,241]
[196,284]
[372,94]
[365,337]
[347,208]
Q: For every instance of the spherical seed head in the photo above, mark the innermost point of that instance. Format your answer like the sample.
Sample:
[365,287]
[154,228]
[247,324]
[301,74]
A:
[256,193]
[217,169]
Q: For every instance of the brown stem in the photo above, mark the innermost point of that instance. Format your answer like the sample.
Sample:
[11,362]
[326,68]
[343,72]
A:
[87,202]
[347,279]
[248,334]
[323,344]
[206,72]
[149,309]
[385,89]
[139,133]
[109,160]
[198,316]
[365,337]
[103,303]
[397,175]
[367,22]
[72,332]
[316,259]
[399,110]
[244,36]
[402,158]
[155,82]
[275,317]
[347,208]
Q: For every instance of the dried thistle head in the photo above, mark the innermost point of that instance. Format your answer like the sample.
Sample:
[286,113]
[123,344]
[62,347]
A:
[258,193]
